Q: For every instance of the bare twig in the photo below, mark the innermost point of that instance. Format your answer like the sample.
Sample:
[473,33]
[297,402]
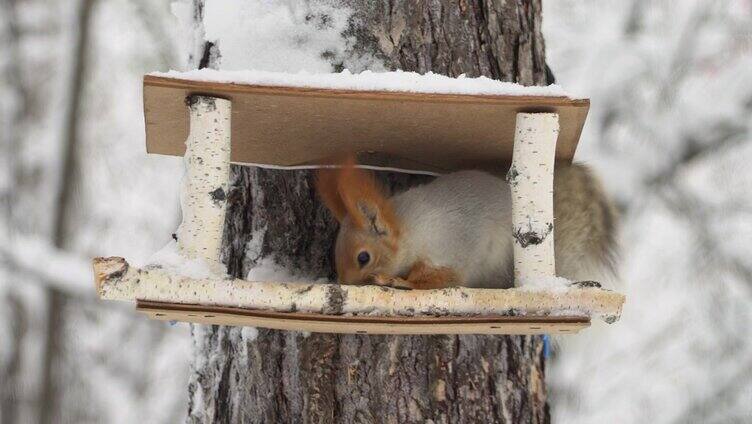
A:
[9,375]
[701,410]
[728,135]
[52,268]
[685,206]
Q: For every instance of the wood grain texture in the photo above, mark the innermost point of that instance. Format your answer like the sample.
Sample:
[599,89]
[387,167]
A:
[343,324]
[289,126]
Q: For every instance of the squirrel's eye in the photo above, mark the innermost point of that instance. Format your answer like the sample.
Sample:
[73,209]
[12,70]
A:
[363,258]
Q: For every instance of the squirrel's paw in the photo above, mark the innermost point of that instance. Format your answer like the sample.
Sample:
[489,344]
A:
[389,281]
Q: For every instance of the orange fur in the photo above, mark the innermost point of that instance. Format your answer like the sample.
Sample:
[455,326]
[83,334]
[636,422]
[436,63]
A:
[342,189]
[367,219]
[357,185]
[423,276]
[327,188]
[389,281]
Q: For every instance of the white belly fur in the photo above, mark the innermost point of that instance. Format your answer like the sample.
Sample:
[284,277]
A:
[462,221]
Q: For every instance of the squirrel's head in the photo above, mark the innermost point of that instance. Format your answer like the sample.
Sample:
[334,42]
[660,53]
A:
[368,235]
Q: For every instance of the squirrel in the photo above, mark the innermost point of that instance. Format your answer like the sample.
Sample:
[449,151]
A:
[457,229]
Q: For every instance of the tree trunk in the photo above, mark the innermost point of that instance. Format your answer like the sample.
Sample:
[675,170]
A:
[56,299]
[240,375]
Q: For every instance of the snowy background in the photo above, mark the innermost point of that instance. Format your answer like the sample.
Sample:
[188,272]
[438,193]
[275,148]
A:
[670,132]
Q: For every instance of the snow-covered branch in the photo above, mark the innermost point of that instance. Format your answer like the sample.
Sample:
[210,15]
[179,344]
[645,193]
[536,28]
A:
[59,269]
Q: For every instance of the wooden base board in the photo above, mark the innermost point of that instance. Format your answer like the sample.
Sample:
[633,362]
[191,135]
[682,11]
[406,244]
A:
[320,323]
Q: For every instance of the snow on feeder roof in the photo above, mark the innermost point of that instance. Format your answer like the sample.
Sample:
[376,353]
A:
[395,120]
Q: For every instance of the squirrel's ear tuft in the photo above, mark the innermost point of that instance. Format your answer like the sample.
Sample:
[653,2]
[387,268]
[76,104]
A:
[350,191]
[327,188]
[365,200]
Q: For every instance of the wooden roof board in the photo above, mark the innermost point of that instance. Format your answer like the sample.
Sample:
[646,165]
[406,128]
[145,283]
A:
[300,321]
[289,126]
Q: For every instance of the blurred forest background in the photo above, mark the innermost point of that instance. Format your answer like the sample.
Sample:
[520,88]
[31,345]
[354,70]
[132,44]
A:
[670,132]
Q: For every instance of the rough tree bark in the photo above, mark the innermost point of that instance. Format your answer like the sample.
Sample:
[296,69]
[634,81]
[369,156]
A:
[281,377]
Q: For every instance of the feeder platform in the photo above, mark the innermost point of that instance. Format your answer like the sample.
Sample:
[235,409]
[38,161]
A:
[217,118]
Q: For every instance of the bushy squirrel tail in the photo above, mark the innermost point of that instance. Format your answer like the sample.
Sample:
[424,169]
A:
[586,225]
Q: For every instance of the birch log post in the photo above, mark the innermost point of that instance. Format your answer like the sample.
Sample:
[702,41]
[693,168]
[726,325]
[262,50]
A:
[531,178]
[203,196]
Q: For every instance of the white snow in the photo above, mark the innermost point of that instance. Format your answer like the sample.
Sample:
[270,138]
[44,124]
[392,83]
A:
[397,81]
[553,284]
[268,270]
[249,334]
[169,258]
[288,35]
[66,271]
[189,34]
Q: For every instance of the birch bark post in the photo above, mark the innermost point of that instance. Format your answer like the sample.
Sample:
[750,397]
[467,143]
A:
[205,184]
[531,178]
[265,376]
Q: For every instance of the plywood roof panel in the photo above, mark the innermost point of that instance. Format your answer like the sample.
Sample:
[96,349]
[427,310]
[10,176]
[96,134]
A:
[288,126]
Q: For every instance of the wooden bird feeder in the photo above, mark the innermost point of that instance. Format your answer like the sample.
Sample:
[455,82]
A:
[252,122]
